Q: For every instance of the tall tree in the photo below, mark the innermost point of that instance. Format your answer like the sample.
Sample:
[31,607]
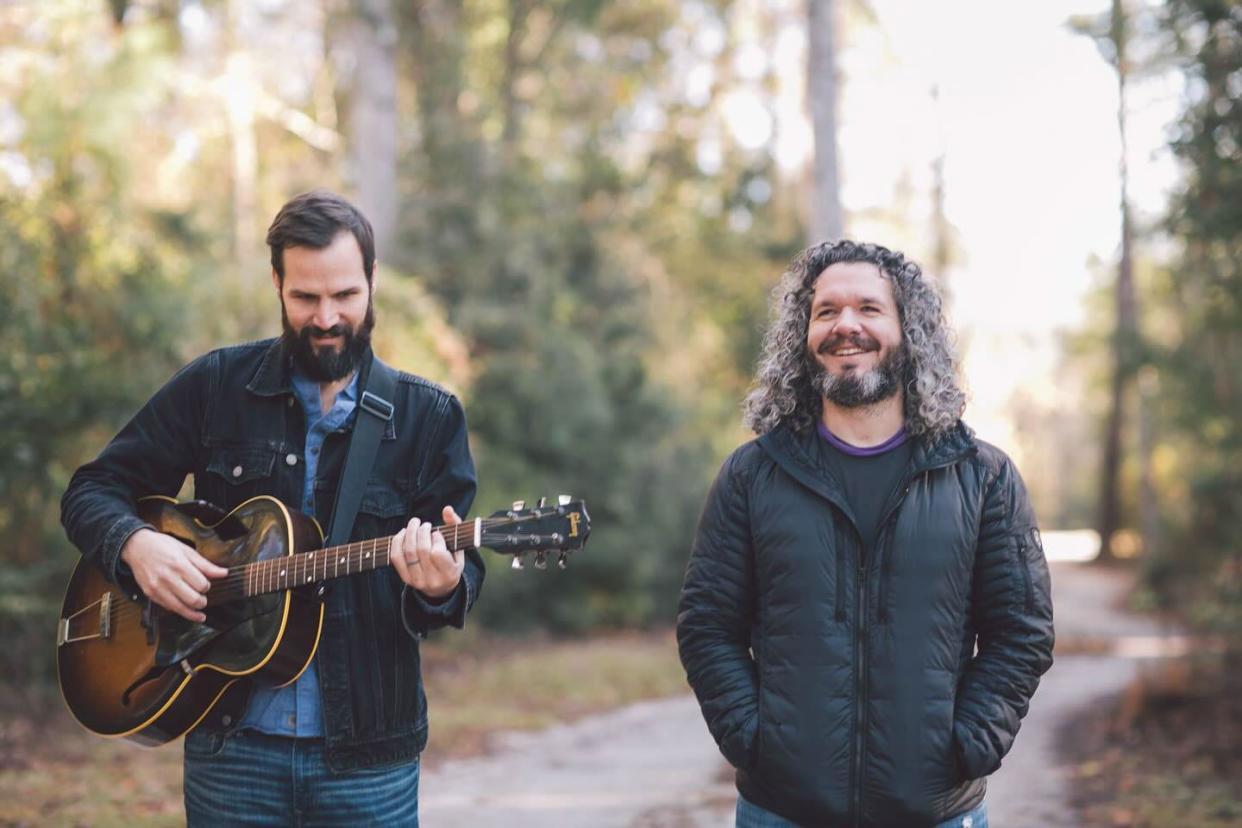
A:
[240,106]
[1126,334]
[826,220]
[444,240]
[370,35]
[1112,35]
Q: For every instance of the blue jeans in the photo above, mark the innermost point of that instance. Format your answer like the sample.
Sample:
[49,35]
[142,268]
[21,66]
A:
[750,815]
[251,778]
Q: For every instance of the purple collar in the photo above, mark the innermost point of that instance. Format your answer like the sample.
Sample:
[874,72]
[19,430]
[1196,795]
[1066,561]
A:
[870,451]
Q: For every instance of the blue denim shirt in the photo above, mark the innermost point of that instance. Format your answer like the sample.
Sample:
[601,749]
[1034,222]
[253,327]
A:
[294,710]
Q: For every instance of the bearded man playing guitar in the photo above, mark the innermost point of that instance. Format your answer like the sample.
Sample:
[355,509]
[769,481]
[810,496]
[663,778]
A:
[340,744]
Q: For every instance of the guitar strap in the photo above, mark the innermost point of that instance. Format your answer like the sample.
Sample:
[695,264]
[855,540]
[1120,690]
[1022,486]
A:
[375,409]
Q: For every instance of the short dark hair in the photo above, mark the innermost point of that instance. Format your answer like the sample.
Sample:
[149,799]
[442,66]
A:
[313,220]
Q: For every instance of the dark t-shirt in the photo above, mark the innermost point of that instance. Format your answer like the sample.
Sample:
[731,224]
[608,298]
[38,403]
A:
[868,476]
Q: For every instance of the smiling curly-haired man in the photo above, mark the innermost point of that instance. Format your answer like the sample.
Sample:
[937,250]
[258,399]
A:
[866,612]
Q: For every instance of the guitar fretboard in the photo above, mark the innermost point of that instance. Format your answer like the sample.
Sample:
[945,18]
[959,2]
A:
[303,568]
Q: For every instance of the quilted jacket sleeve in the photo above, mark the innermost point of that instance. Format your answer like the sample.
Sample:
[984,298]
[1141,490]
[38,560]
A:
[715,616]
[1012,615]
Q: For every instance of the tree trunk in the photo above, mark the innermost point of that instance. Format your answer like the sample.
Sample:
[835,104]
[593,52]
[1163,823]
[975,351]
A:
[454,174]
[1125,335]
[511,117]
[825,219]
[372,124]
[240,106]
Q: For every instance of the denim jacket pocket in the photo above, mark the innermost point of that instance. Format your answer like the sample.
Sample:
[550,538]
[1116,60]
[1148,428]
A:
[241,466]
[382,501]
[245,472]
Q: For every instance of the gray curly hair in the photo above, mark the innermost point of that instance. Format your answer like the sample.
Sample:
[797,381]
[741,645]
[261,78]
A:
[784,391]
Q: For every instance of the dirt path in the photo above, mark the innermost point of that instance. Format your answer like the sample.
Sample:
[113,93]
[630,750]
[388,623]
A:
[653,765]
[1099,651]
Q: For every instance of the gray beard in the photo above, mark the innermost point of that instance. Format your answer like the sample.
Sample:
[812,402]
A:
[855,390]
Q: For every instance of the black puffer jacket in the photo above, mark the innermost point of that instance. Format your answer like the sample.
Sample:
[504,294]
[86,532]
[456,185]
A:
[864,703]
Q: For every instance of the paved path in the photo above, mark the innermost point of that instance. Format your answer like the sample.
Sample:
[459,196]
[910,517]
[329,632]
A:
[606,771]
[653,765]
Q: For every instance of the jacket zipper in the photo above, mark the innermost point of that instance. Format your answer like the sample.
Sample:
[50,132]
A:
[885,564]
[1028,604]
[860,660]
[861,664]
[860,709]
[863,669]
[840,599]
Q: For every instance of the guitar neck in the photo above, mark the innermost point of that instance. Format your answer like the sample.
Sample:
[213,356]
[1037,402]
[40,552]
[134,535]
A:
[303,568]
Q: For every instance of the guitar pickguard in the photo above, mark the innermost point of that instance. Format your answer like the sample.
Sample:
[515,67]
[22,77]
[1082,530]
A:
[177,638]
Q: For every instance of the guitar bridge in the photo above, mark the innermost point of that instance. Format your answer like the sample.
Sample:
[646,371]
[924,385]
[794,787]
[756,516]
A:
[103,627]
[105,616]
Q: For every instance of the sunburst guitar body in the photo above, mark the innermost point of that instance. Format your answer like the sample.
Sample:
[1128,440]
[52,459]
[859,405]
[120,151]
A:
[130,669]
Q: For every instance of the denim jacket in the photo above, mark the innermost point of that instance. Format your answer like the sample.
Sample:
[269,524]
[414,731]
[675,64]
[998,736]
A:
[230,419]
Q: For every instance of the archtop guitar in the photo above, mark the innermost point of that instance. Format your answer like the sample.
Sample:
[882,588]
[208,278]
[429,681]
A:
[128,668]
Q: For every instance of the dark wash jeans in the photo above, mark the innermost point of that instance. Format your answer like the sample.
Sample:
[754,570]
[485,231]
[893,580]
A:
[750,815]
[253,779]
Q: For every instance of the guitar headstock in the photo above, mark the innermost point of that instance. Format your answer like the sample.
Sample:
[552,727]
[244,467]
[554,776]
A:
[562,528]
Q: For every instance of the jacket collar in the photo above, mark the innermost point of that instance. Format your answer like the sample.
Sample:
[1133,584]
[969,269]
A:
[273,376]
[794,452]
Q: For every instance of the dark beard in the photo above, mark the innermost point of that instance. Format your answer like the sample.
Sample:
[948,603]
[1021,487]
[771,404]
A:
[853,390]
[328,364]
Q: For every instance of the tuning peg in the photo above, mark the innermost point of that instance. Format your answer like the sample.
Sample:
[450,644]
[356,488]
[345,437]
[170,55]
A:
[541,559]
[543,501]
[519,505]
[563,500]
[517,563]
[562,560]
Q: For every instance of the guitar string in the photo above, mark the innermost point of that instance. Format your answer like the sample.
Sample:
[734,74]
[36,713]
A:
[348,550]
[271,572]
[266,573]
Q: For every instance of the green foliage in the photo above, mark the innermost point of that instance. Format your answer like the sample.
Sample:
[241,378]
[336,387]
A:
[592,289]
[95,306]
[82,281]
[612,322]
[1196,363]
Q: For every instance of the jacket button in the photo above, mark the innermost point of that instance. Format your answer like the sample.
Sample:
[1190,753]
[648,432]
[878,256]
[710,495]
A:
[289,402]
[291,459]
[237,471]
[226,720]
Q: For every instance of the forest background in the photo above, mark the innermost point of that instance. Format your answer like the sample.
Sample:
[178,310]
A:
[581,209]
